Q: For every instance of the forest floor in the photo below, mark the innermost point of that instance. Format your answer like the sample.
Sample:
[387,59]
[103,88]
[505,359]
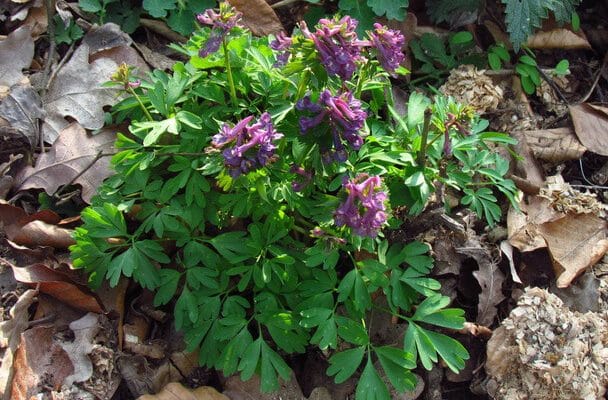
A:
[534,288]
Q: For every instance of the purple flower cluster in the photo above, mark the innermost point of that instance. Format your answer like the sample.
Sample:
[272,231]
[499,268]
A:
[253,144]
[344,115]
[364,209]
[337,44]
[221,23]
[306,176]
[389,44]
[281,43]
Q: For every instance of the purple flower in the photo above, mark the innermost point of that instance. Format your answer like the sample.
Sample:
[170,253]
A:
[337,44]
[253,144]
[281,43]
[389,44]
[363,210]
[307,177]
[221,23]
[344,114]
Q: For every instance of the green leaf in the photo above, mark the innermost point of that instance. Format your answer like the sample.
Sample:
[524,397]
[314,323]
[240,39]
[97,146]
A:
[359,10]
[393,9]
[159,8]
[345,363]
[169,278]
[271,365]
[562,67]
[450,10]
[494,61]
[249,361]
[104,222]
[397,365]
[231,246]
[352,331]
[91,6]
[371,386]
[461,37]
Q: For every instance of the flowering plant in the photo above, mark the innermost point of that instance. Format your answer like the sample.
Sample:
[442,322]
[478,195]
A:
[254,188]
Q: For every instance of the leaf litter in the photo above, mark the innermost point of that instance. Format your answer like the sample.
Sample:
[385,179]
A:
[550,214]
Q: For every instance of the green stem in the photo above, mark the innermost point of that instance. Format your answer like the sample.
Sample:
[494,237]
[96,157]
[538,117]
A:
[141,104]
[229,73]
[425,135]
[303,84]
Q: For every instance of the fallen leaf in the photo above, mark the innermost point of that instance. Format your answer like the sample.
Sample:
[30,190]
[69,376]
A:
[16,53]
[38,229]
[507,250]
[258,16]
[591,126]
[37,21]
[559,38]
[523,225]
[236,389]
[490,279]
[105,37]
[10,335]
[75,155]
[76,92]
[476,330]
[176,391]
[21,109]
[40,364]
[59,285]
[79,349]
[155,59]
[526,165]
[555,145]
[573,254]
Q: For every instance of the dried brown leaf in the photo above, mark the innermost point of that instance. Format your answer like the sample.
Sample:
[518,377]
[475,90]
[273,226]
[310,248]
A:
[10,335]
[523,225]
[71,157]
[176,391]
[39,363]
[559,38]
[591,126]
[16,53]
[490,280]
[22,108]
[258,16]
[38,229]
[59,285]
[555,145]
[573,254]
[76,92]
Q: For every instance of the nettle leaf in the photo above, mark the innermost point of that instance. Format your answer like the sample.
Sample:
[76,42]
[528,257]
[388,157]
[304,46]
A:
[159,8]
[371,386]
[393,9]
[523,16]
[345,363]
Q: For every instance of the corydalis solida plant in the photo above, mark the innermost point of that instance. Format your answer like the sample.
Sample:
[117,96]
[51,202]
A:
[251,179]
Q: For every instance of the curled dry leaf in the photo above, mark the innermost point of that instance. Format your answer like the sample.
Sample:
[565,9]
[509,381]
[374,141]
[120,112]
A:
[59,285]
[507,250]
[75,155]
[76,92]
[573,254]
[591,124]
[523,225]
[555,145]
[16,53]
[10,335]
[38,229]
[22,108]
[40,363]
[476,330]
[490,279]
[258,16]
[559,38]
[176,391]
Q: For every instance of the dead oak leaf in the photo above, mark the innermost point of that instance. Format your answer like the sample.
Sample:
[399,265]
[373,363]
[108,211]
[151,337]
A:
[16,53]
[591,126]
[573,254]
[258,16]
[71,157]
[176,391]
[77,92]
[22,108]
